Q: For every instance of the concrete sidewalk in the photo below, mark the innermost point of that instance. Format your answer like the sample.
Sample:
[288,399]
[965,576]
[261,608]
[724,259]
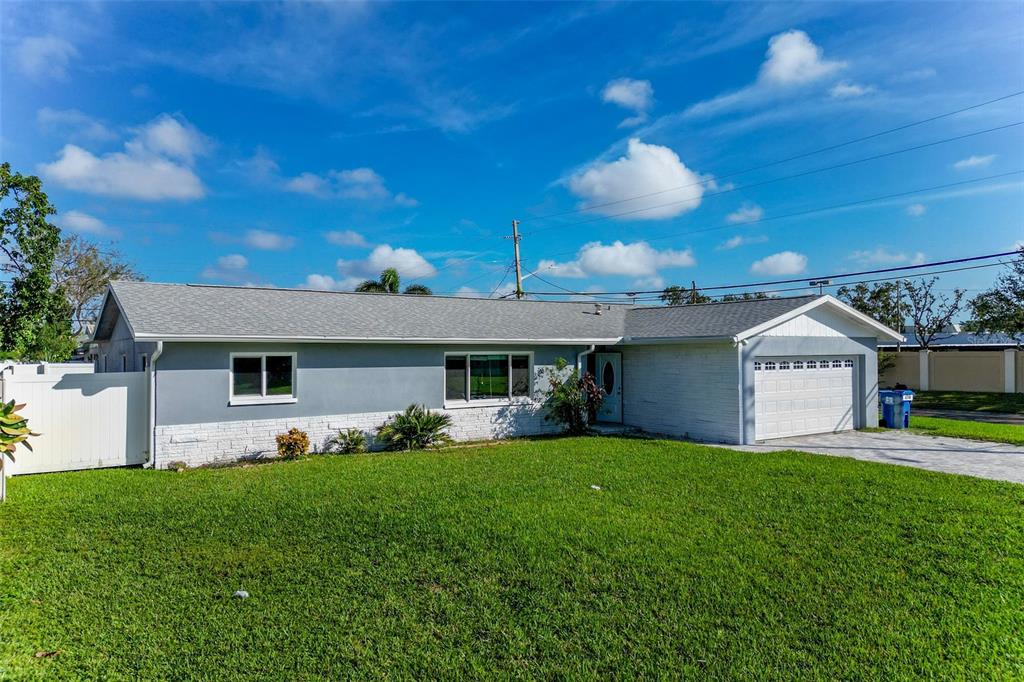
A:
[997,461]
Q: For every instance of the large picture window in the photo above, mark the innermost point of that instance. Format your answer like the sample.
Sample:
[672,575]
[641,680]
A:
[262,378]
[486,376]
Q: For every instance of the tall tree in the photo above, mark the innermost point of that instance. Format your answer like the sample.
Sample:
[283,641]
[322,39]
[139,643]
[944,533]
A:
[676,295]
[881,302]
[82,271]
[931,313]
[31,310]
[745,296]
[391,283]
[1001,308]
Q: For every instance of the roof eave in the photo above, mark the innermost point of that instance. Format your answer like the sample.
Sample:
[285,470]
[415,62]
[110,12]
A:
[233,338]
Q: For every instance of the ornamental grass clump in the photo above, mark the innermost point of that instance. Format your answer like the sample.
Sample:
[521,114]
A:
[415,429]
[293,444]
[348,442]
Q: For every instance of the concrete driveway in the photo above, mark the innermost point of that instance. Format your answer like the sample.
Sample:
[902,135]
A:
[998,461]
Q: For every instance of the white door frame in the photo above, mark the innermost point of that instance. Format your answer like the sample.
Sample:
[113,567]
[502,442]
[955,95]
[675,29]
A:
[611,406]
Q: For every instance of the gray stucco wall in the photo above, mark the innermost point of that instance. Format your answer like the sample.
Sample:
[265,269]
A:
[332,379]
[121,344]
[863,350]
[682,390]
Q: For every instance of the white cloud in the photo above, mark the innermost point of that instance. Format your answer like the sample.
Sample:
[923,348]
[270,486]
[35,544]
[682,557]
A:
[740,240]
[361,184]
[155,164]
[169,136]
[328,283]
[747,213]
[782,263]
[268,241]
[638,259]
[883,256]
[846,90]
[916,210]
[974,161]
[44,56]
[84,223]
[73,123]
[409,263]
[645,169]
[233,268]
[345,238]
[793,59]
[635,95]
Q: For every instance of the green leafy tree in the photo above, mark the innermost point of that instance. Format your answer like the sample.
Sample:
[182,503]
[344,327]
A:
[676,295]
[30,303]
[1001,308]
[883,302]
[745,296]
[391,283]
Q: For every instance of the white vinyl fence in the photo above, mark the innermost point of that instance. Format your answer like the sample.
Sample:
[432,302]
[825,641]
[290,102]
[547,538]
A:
[86,420]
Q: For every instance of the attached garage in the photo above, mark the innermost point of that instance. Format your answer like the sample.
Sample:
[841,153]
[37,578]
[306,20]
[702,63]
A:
[800,395]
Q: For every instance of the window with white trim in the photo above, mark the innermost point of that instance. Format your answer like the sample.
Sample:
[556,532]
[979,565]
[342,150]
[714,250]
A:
[837,364]
[262,378]
[847,363]
[470,377]
[769,366]
[784,364]
[757,366]
[798,364]
[812,364]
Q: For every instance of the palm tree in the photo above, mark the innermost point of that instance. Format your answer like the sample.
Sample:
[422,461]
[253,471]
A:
[391,283]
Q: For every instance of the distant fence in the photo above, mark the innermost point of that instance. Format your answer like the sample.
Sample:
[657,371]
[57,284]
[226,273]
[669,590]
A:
[86,420]
[995,371]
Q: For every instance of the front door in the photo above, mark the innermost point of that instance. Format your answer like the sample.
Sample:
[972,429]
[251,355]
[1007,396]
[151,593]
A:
[609,378]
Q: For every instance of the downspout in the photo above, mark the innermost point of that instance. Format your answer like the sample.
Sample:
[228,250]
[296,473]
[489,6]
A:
[151,461]
[740,384]
[580,356]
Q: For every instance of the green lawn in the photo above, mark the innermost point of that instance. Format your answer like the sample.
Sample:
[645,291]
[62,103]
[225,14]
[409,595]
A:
[960,400]
[960,428]
[503,561]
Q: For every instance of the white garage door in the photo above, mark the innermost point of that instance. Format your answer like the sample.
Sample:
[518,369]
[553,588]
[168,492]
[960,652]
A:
[795,396]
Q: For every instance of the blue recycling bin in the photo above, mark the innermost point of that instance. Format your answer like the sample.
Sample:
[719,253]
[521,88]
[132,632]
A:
[896,408]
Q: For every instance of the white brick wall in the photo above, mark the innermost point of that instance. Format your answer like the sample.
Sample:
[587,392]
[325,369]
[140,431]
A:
[682,390]
[198,444]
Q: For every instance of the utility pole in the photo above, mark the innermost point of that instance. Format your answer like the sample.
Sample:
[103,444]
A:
[519,268]
[693,292]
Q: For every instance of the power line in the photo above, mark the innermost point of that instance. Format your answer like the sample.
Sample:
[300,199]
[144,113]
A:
[803,155]
[770,181]
[790,281]
[823,209]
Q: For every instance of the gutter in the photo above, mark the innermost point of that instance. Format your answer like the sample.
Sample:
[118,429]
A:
[580,356]
[151,461]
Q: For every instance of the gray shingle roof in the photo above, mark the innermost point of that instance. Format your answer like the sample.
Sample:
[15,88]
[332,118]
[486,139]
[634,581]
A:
[708,319]
[184,310]
[176,310]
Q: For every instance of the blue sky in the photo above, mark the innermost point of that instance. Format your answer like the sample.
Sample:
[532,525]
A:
[312,145]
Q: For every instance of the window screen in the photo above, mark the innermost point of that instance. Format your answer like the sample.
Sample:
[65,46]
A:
[455,377]
[247,376]
[520,375]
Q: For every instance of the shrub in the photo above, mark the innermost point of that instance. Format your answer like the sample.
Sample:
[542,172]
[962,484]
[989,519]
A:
[293,444]
[573,400]
[349,442]
[415,429]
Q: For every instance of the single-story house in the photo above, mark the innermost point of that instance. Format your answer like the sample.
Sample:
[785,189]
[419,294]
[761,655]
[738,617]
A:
[231,367]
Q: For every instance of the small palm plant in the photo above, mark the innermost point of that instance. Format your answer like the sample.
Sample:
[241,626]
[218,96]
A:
[415,429]
[391,283]
[13,430]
